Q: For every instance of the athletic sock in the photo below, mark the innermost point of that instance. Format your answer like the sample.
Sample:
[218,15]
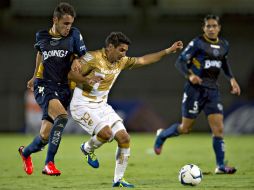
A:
[218,146]
[172,131]
[55,137]
[93,143]
[36,145]
[122,156]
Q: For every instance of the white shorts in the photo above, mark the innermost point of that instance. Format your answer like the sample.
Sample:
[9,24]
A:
[92,116]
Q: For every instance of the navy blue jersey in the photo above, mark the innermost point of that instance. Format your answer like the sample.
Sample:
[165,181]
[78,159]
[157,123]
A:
[57,53]
[206,58]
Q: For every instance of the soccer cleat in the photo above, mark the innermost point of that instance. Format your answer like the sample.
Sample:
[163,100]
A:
[27,162]
[122,183]
[50,169]
[90,157]
[158,142]
[225,170]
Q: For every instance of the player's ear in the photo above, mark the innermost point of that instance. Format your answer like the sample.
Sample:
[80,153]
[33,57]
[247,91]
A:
[55,20]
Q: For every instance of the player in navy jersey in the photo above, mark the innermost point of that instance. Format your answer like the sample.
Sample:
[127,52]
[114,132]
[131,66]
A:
[201,62]
[56,50]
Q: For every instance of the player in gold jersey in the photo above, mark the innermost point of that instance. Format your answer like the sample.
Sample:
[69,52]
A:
[89,103]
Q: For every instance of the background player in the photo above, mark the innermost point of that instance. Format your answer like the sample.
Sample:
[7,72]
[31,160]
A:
[56,48]
[200,63]
[89,103]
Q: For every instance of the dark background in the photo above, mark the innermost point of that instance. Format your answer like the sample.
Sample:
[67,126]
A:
[152,25]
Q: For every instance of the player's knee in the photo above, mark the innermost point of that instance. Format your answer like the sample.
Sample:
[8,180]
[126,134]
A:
[105,133]
[124,140]
[185,129]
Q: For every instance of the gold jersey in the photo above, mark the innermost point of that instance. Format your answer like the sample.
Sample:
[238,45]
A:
[97,64]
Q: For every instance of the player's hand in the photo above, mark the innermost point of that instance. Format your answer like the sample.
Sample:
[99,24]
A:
[176,46]
[76,65]
[235,87]
[30,84]
[94,79]
[194,79]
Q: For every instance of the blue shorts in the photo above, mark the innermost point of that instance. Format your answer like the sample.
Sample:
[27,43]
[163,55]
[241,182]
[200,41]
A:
[44,91]
[197,98]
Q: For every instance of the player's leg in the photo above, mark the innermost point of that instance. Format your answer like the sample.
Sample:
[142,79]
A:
[190,110]
[56,111]
[36,145]
[216,125]
[172,131]
[102,136]
[122,154]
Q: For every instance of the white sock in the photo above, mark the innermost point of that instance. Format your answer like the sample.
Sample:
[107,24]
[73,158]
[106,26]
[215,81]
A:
[92,144]
[122,155]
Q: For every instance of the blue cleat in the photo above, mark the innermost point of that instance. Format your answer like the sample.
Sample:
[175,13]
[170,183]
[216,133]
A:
[158,142]
[90,157]
[122,183]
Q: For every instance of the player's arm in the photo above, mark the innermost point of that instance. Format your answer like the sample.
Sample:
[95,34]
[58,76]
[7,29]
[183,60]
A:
[184,59]
[38,61]
[154,57]
[83,79]
[229,75]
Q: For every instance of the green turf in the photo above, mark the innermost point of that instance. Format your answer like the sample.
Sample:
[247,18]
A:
[145,170]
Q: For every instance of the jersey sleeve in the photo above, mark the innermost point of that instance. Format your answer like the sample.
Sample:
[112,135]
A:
[129,62]
[189,52]
[79,45]
[37,41]
[186,58]
[87,65]
[225,66]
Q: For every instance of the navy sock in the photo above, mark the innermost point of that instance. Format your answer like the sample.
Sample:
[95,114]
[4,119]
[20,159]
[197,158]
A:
[35,146]
[218,146]
[55,137]
[172,131]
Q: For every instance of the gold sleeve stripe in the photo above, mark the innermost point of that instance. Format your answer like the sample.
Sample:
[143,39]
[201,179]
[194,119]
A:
[196,63]
[39,73]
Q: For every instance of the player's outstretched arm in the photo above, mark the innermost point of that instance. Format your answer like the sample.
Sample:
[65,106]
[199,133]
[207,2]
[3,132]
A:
[154,57]
[235,87]
[30,83]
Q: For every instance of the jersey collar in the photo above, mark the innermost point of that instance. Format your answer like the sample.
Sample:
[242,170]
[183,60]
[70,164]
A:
[210,41]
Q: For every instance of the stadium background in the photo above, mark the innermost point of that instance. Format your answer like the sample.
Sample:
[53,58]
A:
[154,92]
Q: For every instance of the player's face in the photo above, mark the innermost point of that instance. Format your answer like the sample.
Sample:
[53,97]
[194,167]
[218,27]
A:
[63,24]
[117,53]
[211,29]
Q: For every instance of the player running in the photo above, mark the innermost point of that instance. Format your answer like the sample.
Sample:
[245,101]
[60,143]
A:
[201,62]
[56,48]
[89,105]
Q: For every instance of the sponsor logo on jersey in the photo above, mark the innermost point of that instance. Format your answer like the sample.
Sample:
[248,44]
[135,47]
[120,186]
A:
[215,46]
[212,63]
[54,53]
[109,72]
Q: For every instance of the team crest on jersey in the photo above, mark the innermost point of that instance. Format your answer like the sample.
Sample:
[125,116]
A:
[88,57]
[54,42]
[216,52]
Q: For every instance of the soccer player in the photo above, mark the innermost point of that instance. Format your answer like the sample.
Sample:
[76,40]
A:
[56,48]
[200,63]
[89,103]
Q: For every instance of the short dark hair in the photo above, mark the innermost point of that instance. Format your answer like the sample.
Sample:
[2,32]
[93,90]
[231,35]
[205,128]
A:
[117,38]
[64,9]
[211,16]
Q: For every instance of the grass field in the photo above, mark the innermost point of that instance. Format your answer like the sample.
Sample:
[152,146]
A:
[145,170]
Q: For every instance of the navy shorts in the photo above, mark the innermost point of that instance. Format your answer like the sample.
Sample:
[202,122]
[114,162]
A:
[44,91]
[197,98]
